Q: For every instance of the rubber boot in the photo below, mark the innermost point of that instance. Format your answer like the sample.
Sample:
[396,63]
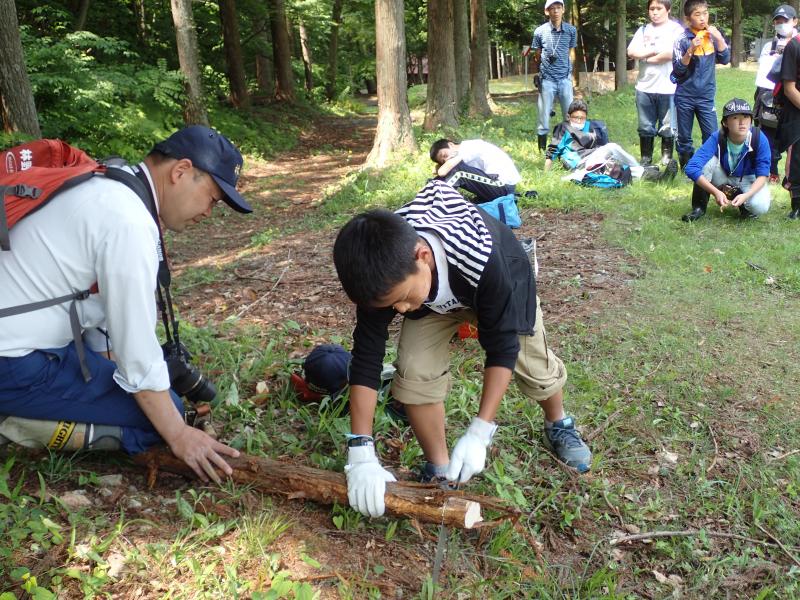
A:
[59,435]
[699,204]
[542,140]
[684,157]
[646,144]
[667,146]
[795,212]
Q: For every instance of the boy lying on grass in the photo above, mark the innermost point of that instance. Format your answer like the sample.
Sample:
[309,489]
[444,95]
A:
[439,260]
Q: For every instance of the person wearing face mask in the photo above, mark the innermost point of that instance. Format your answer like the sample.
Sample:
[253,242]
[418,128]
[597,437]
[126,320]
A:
[575,138]
[652,47]
[784,20]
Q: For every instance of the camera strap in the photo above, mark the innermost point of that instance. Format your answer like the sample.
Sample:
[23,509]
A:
[165,305]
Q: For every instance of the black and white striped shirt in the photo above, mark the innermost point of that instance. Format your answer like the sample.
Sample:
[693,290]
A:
[441,210]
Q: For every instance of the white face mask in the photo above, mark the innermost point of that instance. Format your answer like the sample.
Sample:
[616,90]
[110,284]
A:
[784,29]
[577,124]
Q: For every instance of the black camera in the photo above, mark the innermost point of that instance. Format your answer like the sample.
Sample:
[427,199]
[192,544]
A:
[552,58]
[730,191]
[184,378]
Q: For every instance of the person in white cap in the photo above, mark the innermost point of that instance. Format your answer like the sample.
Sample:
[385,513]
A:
[554,46]
[784,19]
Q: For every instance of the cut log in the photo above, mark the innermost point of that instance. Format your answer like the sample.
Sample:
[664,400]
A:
[426,503]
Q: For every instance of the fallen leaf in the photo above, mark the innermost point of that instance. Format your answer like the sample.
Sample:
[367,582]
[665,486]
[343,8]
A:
[707,269]
[261,387]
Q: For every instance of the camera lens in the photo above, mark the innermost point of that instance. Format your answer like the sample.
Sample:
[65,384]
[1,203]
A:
[185,379]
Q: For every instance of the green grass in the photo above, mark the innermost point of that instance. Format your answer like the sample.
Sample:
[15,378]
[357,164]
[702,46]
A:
[692,382]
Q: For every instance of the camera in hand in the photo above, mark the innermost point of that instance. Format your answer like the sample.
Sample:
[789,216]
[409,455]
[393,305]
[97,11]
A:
[184,378]
[552,58]
[730,191]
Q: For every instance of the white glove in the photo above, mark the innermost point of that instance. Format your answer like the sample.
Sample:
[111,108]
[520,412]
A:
[366,481]
[469,454]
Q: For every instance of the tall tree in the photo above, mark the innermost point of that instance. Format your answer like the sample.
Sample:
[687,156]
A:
[394,131]
[479,99]
[233,53]
[305,49]
[83,13]
[333,47]
[441,105]
[461,52]
[194,111]
[737,43]
[17,108]
[621,71]
[281,52]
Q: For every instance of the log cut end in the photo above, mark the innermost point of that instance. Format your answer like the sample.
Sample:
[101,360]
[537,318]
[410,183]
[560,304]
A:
[468,510]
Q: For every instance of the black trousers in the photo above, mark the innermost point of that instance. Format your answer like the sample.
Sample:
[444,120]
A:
[483,186]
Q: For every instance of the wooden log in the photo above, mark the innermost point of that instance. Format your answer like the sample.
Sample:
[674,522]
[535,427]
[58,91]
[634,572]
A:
[426,503]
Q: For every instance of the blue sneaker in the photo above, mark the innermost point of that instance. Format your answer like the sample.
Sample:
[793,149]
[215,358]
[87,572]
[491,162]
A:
[563,440]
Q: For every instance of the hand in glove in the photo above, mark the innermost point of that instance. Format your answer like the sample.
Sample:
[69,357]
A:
[366,481]
[469,454]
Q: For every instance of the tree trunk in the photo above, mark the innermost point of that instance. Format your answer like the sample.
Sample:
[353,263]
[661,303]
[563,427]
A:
[83,13]
[479,99]
[333,49]
[796,5]
[394,131]
[189,57]
[281,52]
[621,78]
[580,51]
[737,43]
[265,74]
[17,108]
[441,105]
[461,52]
[233,53]
[306,51]
[427,504]
[141,22]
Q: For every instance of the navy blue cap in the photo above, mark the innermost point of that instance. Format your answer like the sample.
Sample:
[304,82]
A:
[737,106]
[784,10]
[213,153]
[327,369]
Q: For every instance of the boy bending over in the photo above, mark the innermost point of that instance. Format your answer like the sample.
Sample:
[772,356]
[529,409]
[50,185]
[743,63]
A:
[439,260]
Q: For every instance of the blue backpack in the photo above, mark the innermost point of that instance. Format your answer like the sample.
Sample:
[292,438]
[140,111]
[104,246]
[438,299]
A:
[504,209]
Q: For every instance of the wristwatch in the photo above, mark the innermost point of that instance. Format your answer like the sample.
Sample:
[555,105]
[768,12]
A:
[354,441]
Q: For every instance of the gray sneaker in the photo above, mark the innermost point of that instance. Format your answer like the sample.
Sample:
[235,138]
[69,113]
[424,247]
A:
[563,440]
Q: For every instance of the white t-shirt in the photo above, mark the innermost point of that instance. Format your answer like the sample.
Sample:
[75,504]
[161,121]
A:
[490,159]
[766,60]
[445,300]
[654,79]
[99,231]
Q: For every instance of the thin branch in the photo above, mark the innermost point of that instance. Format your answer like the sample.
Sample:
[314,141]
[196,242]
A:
[264,296]
[784,455]
[602,427]
[716,449]
[780,544]
[687,533]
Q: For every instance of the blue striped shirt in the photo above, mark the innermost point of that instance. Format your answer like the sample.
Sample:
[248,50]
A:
[555,42]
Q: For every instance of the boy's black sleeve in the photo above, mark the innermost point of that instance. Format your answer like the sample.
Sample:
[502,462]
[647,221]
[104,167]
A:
[789,61]
[505,304]
[369,345]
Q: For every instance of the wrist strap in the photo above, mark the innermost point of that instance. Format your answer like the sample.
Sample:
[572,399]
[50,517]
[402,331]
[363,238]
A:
[355,439]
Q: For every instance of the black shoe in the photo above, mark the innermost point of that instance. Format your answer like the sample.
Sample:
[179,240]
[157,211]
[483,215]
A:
[746,214]
[670,170]
[667,146]
[541,140]
[646,145]
[694,215]
[426,475]
[651,173]
[795,212]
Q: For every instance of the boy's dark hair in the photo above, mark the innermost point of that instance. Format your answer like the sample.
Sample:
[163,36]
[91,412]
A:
[691,5]
[374,252]
[578,105]
[437,146]
[667,4]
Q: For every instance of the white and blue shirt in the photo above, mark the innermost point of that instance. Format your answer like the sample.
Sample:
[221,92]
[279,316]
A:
[555,43]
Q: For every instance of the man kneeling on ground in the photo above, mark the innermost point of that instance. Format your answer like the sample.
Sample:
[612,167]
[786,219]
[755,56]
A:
[732,165]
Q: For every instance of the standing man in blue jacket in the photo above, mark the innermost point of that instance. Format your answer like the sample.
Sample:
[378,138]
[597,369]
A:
[554,45]
[732,165]
[696,54]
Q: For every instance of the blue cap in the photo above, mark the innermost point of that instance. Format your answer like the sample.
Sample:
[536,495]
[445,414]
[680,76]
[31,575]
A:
[213,153]
[327,369]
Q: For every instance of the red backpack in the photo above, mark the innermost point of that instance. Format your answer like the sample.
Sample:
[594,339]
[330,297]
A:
[31,175]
